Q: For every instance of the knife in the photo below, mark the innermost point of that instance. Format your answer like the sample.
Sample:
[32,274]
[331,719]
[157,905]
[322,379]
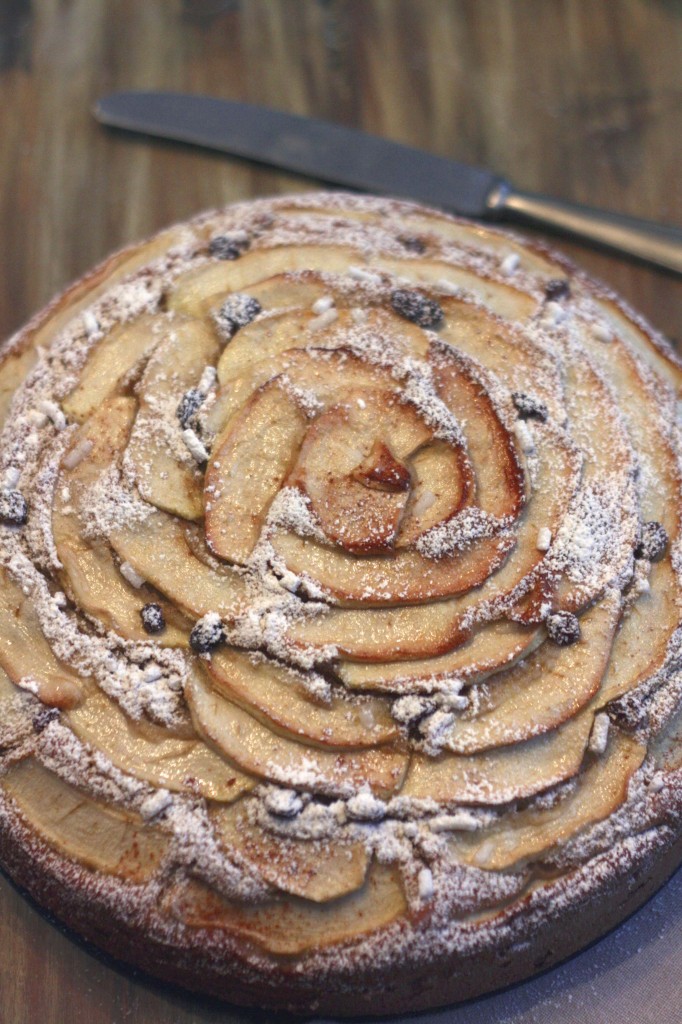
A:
[356,160]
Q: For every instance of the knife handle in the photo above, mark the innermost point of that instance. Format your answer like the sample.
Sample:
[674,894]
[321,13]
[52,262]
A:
[654,243]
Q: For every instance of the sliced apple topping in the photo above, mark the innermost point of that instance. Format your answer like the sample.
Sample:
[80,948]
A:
[377,634]
[288,926]
[158,550]
[314,870]
[548,688]
[199,291]
[89,572]
[166,473]
[26,655]
[276,696]
[490,648]
[532,833]
[103,838]
[149,753]
[247,468]
[110,364]
[502,774]
[260,752]
[391,502]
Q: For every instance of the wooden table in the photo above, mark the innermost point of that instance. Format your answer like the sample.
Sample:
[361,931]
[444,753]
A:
[575,98]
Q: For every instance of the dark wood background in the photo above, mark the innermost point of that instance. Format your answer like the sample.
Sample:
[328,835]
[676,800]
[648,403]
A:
[577,98]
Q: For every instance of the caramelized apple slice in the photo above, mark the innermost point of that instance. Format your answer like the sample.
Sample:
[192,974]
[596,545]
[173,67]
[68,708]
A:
[490,649]
[165,472]
[502,775]
[378,634]
[290,926]
[405,578]
[549,687]
[442,484]
[318,871]
[158,550]
[103,838]
[354,511]
[249,463]
[528,835]
[275,695]
[89,574]
[258,751]
[151,754]
[110,364]
[25,654]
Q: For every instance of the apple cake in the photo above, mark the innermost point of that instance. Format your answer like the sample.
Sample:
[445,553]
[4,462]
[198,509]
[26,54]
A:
[340,579]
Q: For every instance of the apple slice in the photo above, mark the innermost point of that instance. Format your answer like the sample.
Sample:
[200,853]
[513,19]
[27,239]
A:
[442,484]
[526,836]
[490,649]
[290,926]
[103,838]
[382,634]
[275,695]
[199,291]
[89,574]
[258,751]
[249,463]
[360,513]
[317,871]
[158,550]
[505,774]
[149,753]
[503,299]
[166,473]
[549,687]
[25,654]
[111,363]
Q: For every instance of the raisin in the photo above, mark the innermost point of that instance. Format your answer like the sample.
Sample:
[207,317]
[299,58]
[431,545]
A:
[43,717]
[413,244]
[13,508]
[208,634]
[557,288]
[418,308]
[236,312]
[528,407]
[227,247]
[153,618]
[189,404]
[653,541]
[563,628]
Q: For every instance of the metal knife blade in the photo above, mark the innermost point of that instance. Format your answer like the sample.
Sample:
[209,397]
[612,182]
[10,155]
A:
[303,145]
[356,160]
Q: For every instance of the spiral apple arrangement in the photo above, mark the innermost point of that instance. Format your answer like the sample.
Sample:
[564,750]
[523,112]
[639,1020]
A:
[340,562]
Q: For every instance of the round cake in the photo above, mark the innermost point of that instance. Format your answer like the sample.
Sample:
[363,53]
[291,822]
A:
[340,579]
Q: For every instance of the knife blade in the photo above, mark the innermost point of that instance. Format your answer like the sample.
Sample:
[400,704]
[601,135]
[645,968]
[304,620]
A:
[357,160]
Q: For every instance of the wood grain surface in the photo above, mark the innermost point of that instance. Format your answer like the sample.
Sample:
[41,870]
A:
[577,98]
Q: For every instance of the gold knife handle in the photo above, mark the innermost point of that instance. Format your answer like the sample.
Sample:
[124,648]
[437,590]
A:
[654,243]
